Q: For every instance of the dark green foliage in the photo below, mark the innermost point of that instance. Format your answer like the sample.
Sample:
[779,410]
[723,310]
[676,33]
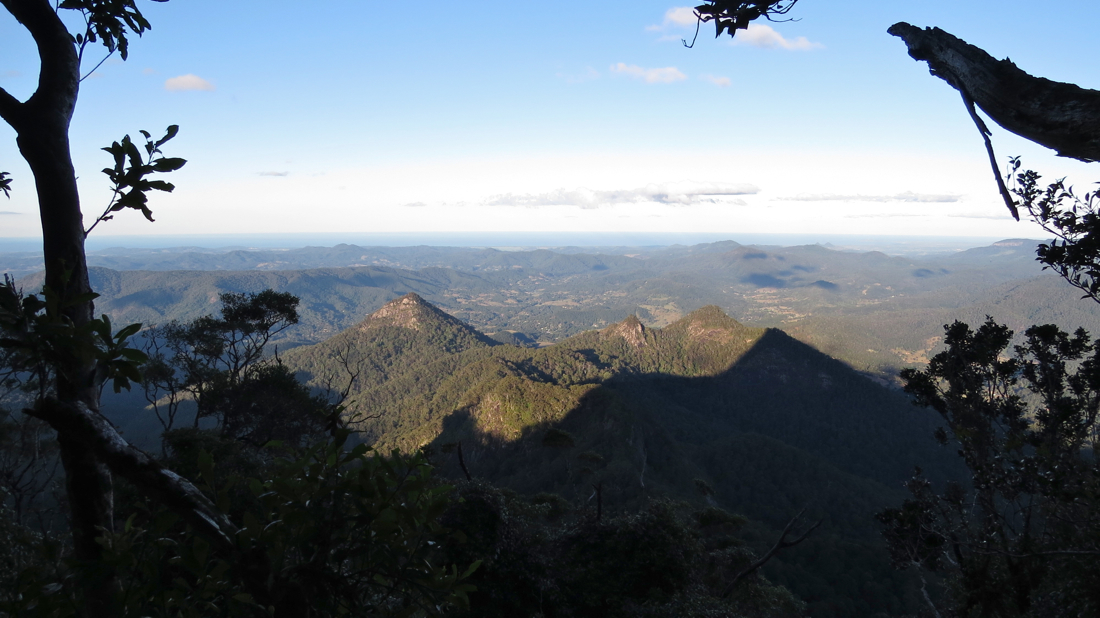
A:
[220,363]
[129,183]
[40,341]
[767,423]
[339,531]
[1025,425]
[108,22]
[267,404]
[556,438]
[28,466]
[1074,220]
[665,559]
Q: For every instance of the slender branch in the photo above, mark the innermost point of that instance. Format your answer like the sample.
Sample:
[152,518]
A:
[984,130]
[698,23]
[89,73]
[110,203]
[462,463]
[782,543]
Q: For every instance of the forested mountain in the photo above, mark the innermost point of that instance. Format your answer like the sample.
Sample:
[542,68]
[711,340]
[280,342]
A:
[766,424]
[558,372]
[876,312]
[645,406]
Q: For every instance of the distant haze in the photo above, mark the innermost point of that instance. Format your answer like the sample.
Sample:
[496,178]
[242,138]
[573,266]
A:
[892,245]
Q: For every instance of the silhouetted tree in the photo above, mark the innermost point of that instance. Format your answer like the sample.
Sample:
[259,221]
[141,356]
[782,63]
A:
[83,348]
[219,363]
[1024,538]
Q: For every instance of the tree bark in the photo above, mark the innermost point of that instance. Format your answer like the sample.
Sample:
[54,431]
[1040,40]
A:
[1062,117]
[42,129]
[90,447]
[100,438]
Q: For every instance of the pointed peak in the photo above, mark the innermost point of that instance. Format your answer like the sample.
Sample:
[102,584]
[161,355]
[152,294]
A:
[630,329]
[407,311]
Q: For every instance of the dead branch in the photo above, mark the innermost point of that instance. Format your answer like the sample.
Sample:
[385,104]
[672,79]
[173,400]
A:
[781,544]
[1062,117]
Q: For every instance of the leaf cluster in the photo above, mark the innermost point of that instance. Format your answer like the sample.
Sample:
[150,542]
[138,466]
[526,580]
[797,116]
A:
[1073,219]
[1026,425]
[129,173]
[108,22]
[42,341]
[544,556]
[729,16]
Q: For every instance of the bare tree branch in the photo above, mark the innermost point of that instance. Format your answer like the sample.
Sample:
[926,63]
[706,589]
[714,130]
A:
[782,543]
[984,130]
[462,463]
[1062,117]
[10,107]
[77,422]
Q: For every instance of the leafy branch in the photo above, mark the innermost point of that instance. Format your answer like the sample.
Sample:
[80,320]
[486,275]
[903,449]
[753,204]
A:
[130,171]
[729,16]
[42,340]
[1073,220]
[107,21]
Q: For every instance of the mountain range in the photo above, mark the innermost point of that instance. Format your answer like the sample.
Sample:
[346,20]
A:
[876,312]
[704,409]
[563,371]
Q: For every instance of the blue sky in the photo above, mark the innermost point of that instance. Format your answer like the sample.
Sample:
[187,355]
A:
[362,116]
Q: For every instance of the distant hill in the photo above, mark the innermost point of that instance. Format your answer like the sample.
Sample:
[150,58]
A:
[769,423]
[876,312]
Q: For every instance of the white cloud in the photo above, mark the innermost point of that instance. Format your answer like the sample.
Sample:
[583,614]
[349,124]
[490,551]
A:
[906,196]
[722,82]
[148,71]
[677,16]
[9,212]
[188,82]
[763,36]
[672,194]
[274,174]
[663,75]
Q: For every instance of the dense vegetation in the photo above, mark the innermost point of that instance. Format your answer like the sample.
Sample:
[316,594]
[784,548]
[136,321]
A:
[322,529]
[228,522]
[767,423]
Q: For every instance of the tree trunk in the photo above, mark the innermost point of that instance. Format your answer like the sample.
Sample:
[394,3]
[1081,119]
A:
[1062,117]
[90,447]
[43,142]
[42,128]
